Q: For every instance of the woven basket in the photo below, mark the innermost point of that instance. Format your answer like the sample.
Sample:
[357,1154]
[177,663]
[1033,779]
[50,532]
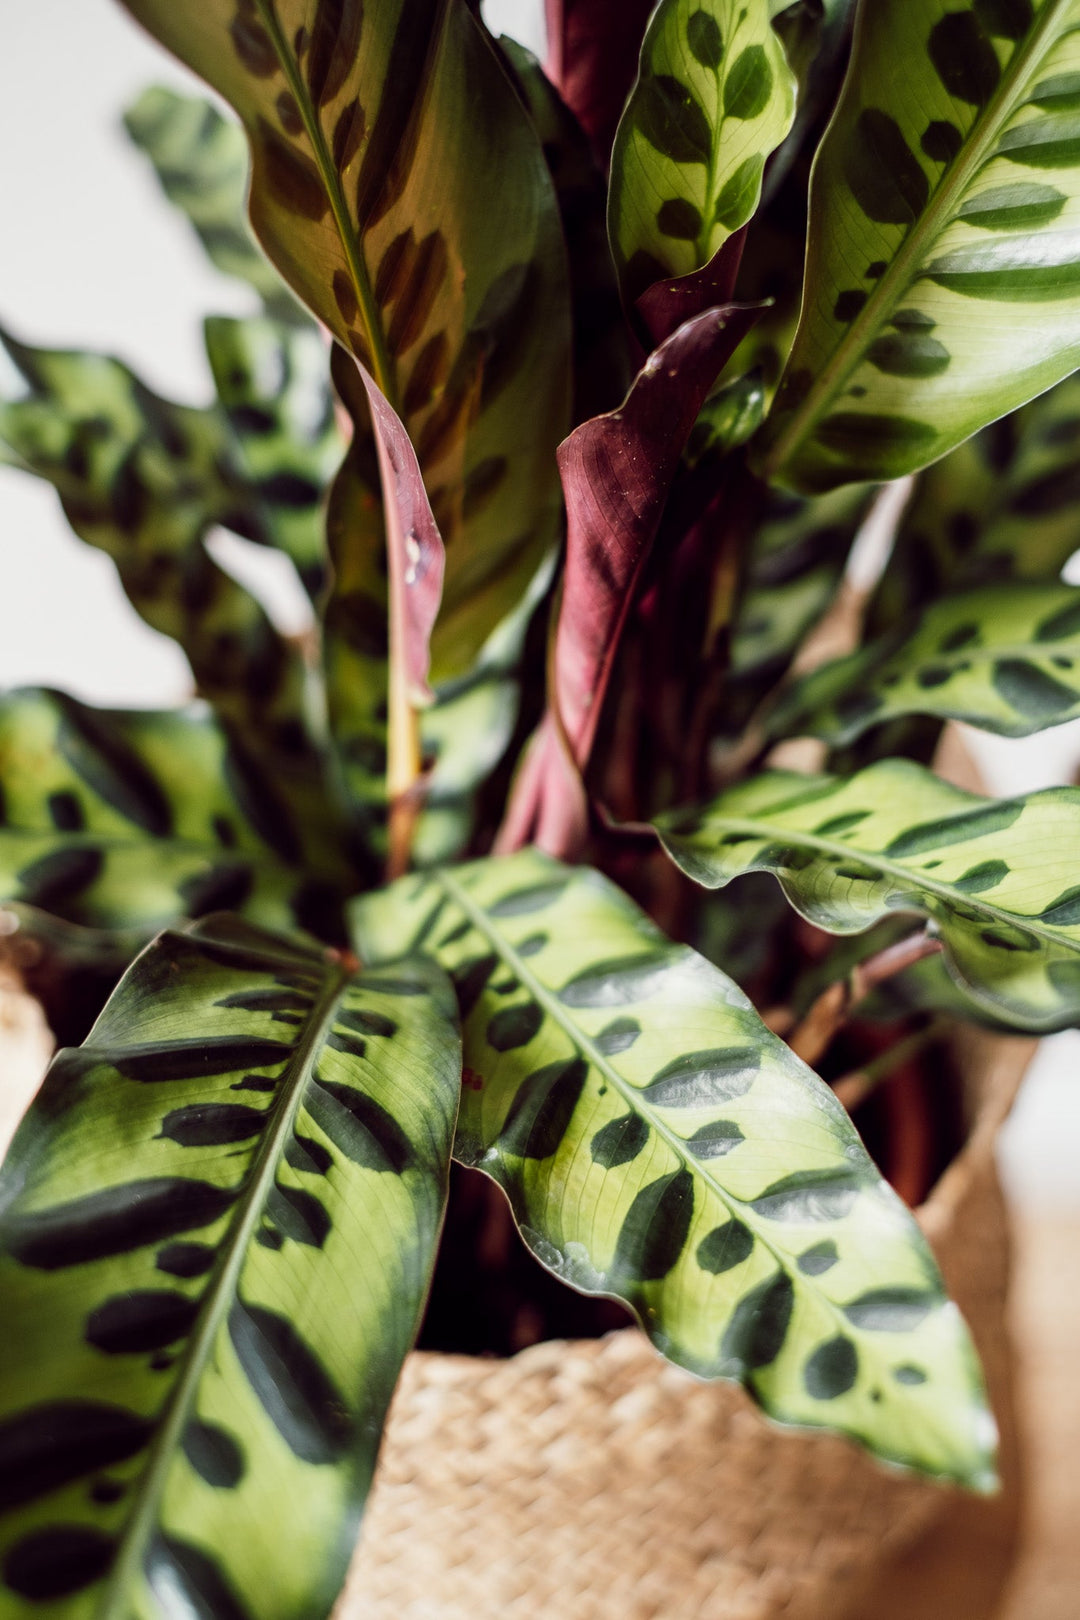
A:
[586,1479]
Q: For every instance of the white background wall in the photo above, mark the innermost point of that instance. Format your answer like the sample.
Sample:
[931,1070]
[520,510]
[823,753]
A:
[92,257]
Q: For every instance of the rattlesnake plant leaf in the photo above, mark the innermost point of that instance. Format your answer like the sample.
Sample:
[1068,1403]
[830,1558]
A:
[1005,658]
[997,878]
[714,97]
[217,1225]
[941,278]
[144,480]
[380,135]
[273,383]
[660,1145]
[1005,505]
[201,160]
[131,819]
[793,567]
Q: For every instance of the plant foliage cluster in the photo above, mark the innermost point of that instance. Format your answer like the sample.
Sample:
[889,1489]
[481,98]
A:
[574,499]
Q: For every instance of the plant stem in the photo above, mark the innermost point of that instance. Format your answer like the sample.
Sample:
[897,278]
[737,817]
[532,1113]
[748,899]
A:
[812,1037]
[854,1088]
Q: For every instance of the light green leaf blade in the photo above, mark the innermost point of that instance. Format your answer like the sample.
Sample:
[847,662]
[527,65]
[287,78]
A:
[1003,506]
[943,269]
[380,135]
[217,1225]
[145,480]
[131,820]
[998,878]
[659,1144]
[201,160]
[714,97]
[1005,659]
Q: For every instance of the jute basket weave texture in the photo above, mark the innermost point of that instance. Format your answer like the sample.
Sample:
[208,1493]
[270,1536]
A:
[584,1480]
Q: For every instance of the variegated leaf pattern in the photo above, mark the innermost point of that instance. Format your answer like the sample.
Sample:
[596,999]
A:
[659,1144]
[380,134]
[201,160]
[1005,505]
[997,878]
[943,275]
[273,383]
[714,97]
[794,563]
[144,480]
[217,1225]
[1005,659]
[131,819]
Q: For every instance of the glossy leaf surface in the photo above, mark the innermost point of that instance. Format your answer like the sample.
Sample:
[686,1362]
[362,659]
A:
[658,1144]
[217,1225]
[943,273]
[380,135]
[714,97]
[996,877]
[132,819]
[1005,659]
[201,160]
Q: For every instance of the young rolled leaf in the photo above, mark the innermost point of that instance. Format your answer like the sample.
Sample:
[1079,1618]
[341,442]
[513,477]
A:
[1005,659]
[617,472]
[201,160]
[592,59]
[996,877]
[144,480]
[659,1144]
[714,97]
[217,1226]
[131,820]
[943,273]
[273,382]
[380,135]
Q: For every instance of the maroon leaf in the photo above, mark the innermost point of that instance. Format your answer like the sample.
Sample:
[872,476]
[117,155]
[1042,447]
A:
[668,303]
[592,59]
[616,474]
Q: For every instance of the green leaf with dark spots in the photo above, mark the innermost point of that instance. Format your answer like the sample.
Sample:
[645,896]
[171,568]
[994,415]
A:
[145,481]
[375,160]
[198,1328]
[1005,658]
[129,820]
[994,877]
[658,1143]
[953,164]
[713,99]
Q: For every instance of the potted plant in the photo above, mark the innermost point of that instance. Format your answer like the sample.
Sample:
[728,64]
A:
[442,883]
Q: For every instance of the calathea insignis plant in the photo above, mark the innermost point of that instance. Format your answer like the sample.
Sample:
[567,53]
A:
[351,876]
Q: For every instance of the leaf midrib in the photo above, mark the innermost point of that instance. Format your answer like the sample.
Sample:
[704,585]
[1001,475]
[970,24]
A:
[381,364]
[768,831]
[851,349]
[220,1294]
[634,1099]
